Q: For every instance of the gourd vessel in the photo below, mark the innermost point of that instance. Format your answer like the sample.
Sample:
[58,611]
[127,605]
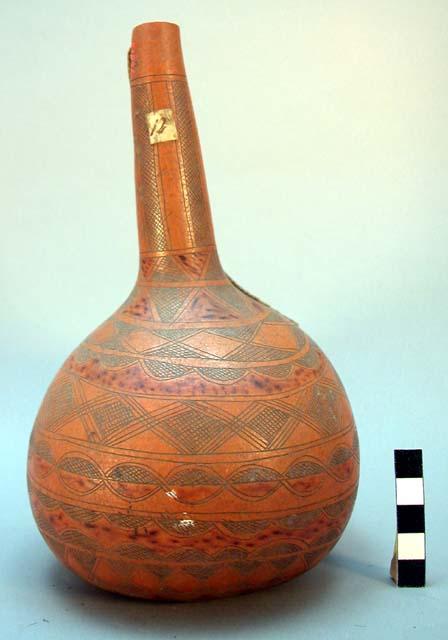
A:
[198,443]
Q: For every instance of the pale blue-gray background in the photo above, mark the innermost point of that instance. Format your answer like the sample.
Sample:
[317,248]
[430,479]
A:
[324,131]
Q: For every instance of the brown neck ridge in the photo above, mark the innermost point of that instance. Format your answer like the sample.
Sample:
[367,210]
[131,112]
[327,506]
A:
[173,209]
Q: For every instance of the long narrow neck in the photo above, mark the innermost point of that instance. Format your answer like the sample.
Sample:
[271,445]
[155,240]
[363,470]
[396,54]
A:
[173,208]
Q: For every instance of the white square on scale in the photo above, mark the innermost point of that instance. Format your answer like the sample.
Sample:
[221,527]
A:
[411,546]
[410,491]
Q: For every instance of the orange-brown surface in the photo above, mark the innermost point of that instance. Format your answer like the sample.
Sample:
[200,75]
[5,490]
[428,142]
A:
[198,443]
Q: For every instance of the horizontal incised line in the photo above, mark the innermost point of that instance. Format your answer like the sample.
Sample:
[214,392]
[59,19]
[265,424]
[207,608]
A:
[218,397]
[230,457]
[180,251]
[111,552]
[160,284]
[251,515]
[221,324]
[157,77]
[206,363]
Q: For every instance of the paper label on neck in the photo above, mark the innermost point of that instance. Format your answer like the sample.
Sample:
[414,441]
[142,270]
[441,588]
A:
[161,126]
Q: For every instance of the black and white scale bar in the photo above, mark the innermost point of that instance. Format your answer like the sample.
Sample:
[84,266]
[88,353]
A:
[408,567]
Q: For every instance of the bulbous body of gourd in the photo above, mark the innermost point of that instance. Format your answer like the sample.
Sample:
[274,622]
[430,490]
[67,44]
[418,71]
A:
[198,443]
